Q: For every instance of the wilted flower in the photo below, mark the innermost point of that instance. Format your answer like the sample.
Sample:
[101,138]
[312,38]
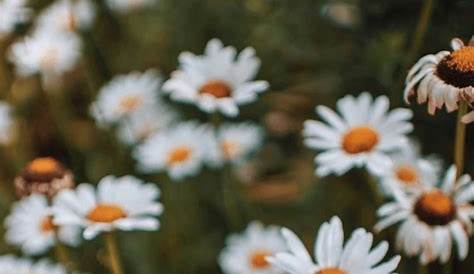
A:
[124,203]
[216,81]
[11,265]
[432,218]
[124,6]
[331,256]
[363,136]
[246,253]
[12,12]
[67,16]
[30,226]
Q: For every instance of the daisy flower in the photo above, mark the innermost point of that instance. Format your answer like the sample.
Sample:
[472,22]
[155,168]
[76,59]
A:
[363,135]
[433,218]
[123,203]
[45,52]
[444,78]
[246,253]
[12,12]
[180,150]
[67,16]
[331,256]
[43,175]
[126,94]
[124,6]
[6,123]
[217,81]
[11,265]
[30,226]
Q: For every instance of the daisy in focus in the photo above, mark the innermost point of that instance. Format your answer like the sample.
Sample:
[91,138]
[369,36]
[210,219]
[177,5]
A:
[6,123]
[246,253]
[30,226]
[362,135]
[124,6]
[12,265]
[181,150]
[123,203]
[125,95]
[331,256]
[433,219]
[12,13]
[218,81]
[67,16]
[445,78]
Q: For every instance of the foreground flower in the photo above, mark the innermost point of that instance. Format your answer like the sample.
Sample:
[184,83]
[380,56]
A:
[216,81]
[43,175]
[363,136]
[123,203]
[12,12]
[12,265]
[444,78]
[125,95]
[181,150]
[246,253]
[67,16]
[331,256]
[30,226]
[124,6]
[433,218]
[6,123]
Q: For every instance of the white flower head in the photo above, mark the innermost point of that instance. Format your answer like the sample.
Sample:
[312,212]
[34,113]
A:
[331,256]
[123,203]
[180,150]
[12,12]
[246,253]
[67,16]
[6,123]
[217,81]
[125,95]
[433,219]
[48,53]
[12,265]
[124,6]
[30,226]
[362,135]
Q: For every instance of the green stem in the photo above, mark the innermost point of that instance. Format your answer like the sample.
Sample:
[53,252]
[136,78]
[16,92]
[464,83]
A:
[62,254]
[460,139]
[113,253]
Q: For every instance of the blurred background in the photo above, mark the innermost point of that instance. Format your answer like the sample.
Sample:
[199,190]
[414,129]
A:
[313,52]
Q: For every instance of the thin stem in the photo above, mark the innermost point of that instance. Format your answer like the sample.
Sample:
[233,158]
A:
[422,269]
[113,253]
[460,139]
[62,254]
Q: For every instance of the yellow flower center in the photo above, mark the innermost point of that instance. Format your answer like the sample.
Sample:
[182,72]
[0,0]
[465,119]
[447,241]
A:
[179,155]
[106,213]
[435,208]
[359,139]
[43,165]
[216,88]
[407,174]
[47,225]
[229,149]
[331,271]
[457,69]
[130,103]
[257,259]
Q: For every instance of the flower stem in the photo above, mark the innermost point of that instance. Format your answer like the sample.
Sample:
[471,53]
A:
[62,255]
[460,139]
[113,254]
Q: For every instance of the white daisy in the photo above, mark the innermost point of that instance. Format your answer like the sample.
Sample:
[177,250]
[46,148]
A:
[12,12]
[48,53]
[246,253]
[124,6]
[67,16]
[216,81]
[444,78]
[179,150]
[433,218]
[6,123]
[126,94]
[30,226]
[123,203]
[13,265]
[331,256]
[362,136]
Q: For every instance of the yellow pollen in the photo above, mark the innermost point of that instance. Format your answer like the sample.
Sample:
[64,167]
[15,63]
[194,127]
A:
[359,139]
[331,271]
[47,225]
[130,103]
[229,149]
[216,88]
[462,59]
[436,202]
[106,213]
[257,259]
[407,175]
[179,155]
[43,165]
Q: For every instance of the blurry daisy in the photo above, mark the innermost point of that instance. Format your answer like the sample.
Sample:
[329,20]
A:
[124,203]
[331,256]
[444,78]
[432,218]
[342,13]
[12,12]
[124,6]
[43,175]
[45,52]
[179,150]
[246,253]
[362,136]
[216,81]
[13,265]
[6,123]
[67,15]
[30,226]
[126,94]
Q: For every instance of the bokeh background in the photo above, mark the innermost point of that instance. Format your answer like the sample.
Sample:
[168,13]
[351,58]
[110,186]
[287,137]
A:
[313,52]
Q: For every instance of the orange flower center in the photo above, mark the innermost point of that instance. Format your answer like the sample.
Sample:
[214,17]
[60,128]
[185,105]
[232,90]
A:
[407,174]
[130,103]
[457,69]
[106,213]
[216,88]
[360,139]
[179,155]
[331,271]
[463,59]
[47,225]
[43,165]
[229,149]
[435,208]
[257,259]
